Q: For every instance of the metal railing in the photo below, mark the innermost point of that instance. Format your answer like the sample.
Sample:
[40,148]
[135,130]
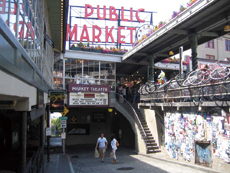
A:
[136,118]
[36,162]
[172,92]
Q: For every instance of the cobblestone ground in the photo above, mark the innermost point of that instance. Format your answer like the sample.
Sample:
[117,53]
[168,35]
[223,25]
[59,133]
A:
[83,161]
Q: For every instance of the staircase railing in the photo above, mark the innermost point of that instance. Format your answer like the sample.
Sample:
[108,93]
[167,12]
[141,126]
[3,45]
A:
[136,116]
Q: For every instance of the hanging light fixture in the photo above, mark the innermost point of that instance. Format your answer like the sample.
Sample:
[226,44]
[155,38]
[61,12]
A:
[171,53]
[227,27]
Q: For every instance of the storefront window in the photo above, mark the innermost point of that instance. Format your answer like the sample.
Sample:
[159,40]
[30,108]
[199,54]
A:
[107,70]
[58,75]
[111,83]
[90,72]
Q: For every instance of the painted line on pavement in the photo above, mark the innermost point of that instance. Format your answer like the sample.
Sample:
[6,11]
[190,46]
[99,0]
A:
[70,164]
[57,163]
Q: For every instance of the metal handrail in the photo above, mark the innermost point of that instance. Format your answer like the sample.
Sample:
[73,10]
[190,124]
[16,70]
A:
[154,95]
[35,161]
[135,115]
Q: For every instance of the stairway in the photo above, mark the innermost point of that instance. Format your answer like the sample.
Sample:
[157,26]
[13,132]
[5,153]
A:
[151,145]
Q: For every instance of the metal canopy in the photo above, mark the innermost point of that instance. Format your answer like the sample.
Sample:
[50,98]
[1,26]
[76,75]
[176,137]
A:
[207,20]
[58,26]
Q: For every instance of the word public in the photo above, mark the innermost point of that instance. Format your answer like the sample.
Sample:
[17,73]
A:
[113,16]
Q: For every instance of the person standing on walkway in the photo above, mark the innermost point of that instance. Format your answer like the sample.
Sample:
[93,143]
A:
[103,143]
[120,92]
[114,147]
[124,92]
[134,94]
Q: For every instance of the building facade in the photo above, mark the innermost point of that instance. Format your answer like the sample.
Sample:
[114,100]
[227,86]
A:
[31,33]
[217,49]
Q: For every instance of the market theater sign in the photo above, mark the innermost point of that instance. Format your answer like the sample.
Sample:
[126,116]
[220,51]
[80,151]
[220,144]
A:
[113,16]
[88,95]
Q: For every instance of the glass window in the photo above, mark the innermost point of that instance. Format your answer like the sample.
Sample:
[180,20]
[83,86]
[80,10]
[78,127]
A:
[94,72]
[58,74]
[111,83]
[107,70]
[91,72]
[210,44]
[212,57]
[227,45]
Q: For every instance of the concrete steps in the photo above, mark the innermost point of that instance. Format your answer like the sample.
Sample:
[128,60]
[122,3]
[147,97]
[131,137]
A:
[151,144]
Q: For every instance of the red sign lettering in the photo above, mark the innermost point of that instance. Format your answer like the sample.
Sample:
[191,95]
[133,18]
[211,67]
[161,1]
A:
[122,15]
[2,6]
[131,33]
[109,34]
[112,11]
[86,32]
[119,35]
[70,34]
[86,8]
[96,36]
[98,12]
[139,10]
[131,14]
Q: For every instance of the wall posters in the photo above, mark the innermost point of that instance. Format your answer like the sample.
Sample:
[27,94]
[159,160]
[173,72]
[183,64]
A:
[190,134]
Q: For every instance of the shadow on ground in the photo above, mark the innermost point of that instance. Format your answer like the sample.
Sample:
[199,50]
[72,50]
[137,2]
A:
[83,161]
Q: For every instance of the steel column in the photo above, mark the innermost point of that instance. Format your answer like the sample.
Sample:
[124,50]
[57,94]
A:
[48,137]
[151,68]
[181,60]
[193,38]
[23,141]
[42,141]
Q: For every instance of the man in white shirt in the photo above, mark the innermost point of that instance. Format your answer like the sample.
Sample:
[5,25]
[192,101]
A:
[102,142]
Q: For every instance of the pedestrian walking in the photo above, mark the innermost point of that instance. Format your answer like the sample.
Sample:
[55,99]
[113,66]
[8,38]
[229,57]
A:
[114,144]
[102,143]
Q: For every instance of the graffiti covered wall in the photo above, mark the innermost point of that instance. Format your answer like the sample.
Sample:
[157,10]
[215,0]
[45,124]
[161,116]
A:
[197,136]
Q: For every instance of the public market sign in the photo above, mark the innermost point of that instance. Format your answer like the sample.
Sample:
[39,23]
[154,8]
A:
[97,31]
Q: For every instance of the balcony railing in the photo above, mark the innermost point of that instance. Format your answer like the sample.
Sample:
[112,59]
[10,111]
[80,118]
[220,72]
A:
[174,94]
[36,162]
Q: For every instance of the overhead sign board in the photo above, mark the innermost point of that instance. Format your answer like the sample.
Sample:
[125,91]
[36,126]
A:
[57,101]
[120,27]
[88,95]
[63,123]
[88,99]
[63,118]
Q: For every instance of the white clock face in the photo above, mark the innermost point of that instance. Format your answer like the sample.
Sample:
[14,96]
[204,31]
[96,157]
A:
[143,30]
